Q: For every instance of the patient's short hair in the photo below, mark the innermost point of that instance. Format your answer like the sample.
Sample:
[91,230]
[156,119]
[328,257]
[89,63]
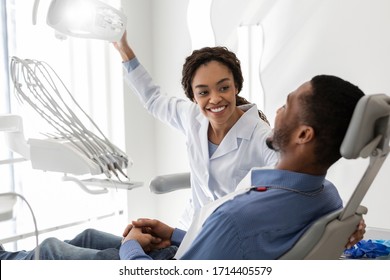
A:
[329,110]
[204,56]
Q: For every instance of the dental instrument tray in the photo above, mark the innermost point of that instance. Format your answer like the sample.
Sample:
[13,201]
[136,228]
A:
[62,155]
[127,185]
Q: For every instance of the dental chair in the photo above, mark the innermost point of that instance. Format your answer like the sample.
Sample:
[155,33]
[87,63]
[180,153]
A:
[368,136]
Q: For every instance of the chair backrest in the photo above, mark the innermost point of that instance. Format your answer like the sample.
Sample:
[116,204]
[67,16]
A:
[368,135]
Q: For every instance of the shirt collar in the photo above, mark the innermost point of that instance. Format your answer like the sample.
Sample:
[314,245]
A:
[285,178]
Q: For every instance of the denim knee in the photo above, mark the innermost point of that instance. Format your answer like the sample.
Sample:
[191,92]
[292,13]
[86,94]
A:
[49,249]
[89,231]
[49,243]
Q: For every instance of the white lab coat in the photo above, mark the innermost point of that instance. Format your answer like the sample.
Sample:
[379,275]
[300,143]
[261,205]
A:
[242,148]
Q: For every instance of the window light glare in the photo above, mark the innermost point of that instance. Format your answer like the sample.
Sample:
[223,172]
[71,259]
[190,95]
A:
[79,16]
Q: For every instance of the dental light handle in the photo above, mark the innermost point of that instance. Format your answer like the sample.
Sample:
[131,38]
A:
[34,13]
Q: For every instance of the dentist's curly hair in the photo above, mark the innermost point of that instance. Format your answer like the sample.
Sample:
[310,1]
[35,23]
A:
[222,55]
[205,55]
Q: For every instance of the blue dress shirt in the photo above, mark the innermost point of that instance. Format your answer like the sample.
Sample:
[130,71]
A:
[258,224]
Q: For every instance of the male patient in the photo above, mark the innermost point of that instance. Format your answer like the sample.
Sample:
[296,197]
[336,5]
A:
[265,221]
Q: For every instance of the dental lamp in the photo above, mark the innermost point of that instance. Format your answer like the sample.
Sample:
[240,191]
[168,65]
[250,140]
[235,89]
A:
[84,19]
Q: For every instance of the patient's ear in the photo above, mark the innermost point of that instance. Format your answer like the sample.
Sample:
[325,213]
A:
[306,134]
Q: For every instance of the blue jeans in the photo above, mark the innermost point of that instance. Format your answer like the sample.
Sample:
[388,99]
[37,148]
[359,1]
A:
[91,244]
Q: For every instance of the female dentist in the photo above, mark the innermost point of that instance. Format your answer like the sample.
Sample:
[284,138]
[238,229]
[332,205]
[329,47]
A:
[222,138]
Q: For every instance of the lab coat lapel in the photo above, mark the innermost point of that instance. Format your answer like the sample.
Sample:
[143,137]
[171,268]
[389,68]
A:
[243,129]
[228,144]
[203,165]
[204,141]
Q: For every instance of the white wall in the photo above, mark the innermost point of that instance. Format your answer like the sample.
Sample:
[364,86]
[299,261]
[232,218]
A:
[157,31]
[139,126]
[172,38]
[349,38]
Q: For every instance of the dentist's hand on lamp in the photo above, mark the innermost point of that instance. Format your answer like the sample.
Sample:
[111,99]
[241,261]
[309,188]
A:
[123,48]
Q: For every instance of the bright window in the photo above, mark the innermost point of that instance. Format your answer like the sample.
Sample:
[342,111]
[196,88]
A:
[91,70]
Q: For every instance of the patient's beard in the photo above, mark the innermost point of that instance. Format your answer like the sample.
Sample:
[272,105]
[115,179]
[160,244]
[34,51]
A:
[279,139]
[270,143]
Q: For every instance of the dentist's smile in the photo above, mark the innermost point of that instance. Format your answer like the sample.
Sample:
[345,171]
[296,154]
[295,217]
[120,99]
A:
[217,109]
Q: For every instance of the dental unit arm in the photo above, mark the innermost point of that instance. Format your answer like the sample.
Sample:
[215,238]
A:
[73,149]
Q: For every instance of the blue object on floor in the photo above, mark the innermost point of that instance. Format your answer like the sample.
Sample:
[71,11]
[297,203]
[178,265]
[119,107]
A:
[370,249]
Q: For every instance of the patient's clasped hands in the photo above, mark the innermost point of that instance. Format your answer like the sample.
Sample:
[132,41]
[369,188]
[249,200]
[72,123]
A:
[151,234]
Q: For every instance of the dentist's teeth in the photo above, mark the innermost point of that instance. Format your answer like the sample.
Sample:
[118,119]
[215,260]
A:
[216,110]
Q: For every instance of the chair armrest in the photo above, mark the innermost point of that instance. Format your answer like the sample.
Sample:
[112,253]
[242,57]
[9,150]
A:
[171,182]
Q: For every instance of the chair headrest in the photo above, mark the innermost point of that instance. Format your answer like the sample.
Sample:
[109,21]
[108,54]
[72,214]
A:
[369,128]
